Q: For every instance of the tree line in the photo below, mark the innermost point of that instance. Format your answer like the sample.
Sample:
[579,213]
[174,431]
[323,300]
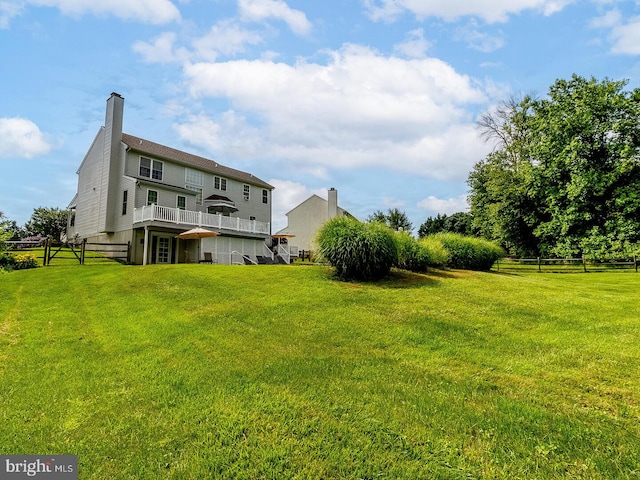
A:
[44,222]
[564,177]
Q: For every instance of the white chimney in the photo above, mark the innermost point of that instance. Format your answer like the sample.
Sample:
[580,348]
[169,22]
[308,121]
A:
[112,167]
[333,203]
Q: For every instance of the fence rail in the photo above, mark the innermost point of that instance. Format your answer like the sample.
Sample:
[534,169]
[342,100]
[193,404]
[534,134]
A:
[565,264]
[84,250]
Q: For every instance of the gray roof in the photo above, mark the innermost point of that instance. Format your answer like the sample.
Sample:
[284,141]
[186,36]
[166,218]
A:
[161,151]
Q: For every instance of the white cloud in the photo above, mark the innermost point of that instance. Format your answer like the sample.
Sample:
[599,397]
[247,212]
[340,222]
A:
[483,42]
[489,10]
[8,10]
[360,109]
[444,205]
[610,19]
[624,32]
[226,38]
[415,46]
[21,138]
[626,38]
[161,49]
[145,11]
[259,10]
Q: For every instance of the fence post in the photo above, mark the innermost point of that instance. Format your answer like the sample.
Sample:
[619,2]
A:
[46,248]
[635,263]
[82,249]
[584,263]
[129,252]
[539,266]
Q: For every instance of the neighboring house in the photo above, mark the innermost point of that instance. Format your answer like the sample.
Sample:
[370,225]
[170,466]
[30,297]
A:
[304,220]
[137,191]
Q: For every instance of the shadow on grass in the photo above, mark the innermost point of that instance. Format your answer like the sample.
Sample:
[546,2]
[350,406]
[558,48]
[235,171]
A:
[406,279]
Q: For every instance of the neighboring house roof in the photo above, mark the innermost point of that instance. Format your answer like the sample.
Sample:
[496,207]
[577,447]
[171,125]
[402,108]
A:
[315,198]
[161,151]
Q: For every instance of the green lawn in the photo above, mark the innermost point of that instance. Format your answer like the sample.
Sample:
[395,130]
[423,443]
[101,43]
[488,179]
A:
[274,372]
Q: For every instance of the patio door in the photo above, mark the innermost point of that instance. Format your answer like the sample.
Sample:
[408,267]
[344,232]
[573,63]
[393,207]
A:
[161,248]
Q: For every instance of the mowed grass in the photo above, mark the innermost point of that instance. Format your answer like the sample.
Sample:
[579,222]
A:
[213,371]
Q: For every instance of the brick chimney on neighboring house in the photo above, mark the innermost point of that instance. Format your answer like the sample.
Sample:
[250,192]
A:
[333,203]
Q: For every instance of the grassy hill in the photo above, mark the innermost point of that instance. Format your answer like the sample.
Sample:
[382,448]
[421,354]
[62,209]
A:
[214,371]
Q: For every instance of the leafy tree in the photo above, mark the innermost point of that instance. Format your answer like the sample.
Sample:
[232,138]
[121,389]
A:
[459,222]
[9,229]
[432,225]
[587,151]
[563,178]
[394,219]
[48,222]
[5,231]
[504,204]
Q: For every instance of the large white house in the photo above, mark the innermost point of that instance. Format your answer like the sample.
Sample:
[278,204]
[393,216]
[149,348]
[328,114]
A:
[304,220]
[132,190]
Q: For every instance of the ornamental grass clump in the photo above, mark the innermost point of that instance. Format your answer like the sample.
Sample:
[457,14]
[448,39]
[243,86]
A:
[436,252]
[357,251]
[468,252]
[411,254]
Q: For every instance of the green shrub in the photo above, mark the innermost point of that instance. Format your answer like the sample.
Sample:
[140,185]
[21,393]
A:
[411,254]
[468,252]
[17,262]
[25,260]
[438,255]
[357,251]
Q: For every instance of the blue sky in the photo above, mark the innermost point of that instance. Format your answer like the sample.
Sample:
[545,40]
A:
[377,98]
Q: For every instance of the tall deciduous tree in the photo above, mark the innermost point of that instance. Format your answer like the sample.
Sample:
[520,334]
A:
[393,218]
[48,222]
[587,152]
[566,182]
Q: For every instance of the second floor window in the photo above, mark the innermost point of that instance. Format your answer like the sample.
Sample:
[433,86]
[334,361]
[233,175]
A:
[246,192]
[193,177]
[219,183]
[265,196]
[125,195]
[150,168]
[181,202]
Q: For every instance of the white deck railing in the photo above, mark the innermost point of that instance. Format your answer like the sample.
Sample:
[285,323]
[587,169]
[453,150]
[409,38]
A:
[188,217]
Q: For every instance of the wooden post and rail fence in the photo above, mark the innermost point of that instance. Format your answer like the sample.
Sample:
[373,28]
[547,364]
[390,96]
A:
[554,265]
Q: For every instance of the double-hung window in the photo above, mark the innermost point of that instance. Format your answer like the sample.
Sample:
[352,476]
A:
[219,183]
[150,168]
[246,192]
[265,196]
[125,194]
[181,202]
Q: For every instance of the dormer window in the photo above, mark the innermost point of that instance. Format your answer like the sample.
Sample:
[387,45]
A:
[150,168]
